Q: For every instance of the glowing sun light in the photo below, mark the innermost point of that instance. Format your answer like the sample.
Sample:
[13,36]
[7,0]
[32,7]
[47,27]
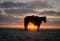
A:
[31,27]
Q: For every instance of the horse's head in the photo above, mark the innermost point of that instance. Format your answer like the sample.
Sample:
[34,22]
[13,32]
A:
[44,19]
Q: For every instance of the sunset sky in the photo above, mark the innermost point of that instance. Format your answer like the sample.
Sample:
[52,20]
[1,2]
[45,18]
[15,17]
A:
[12,12]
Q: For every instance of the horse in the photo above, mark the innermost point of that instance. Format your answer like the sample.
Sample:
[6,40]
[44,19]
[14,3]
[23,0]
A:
[34,19]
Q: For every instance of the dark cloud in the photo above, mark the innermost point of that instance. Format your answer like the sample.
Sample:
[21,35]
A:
[19,11]
[38,4]
[53,23]
[0,11]
[25,11]
[54,13]
[31,5]
[9,20]
[11,4]
[0,5]
[7,4]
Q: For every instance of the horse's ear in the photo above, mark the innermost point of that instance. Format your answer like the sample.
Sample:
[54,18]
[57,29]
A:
[36,16]
[32,15]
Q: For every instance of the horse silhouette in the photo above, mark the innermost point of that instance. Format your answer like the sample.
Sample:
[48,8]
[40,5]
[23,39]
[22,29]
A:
[34,19]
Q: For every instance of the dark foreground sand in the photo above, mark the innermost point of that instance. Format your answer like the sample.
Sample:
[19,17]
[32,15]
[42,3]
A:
[21,35]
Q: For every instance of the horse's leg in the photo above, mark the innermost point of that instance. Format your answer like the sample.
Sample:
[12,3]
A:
[38,28]
[25,24]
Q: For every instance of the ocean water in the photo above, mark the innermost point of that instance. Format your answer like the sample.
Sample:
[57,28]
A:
[10,34]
